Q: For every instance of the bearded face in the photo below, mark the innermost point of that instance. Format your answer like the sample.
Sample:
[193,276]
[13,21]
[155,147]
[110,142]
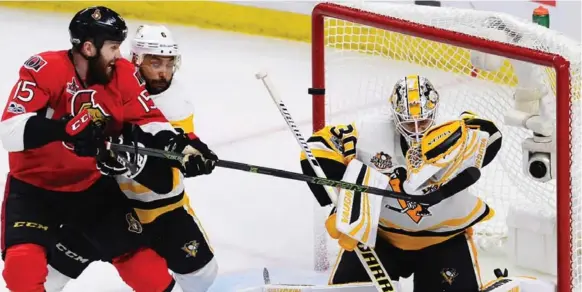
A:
[101,69]
[158,72]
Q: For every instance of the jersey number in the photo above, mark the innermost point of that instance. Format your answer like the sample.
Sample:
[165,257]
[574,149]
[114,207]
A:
[24,90]
[146,102]
[346,134]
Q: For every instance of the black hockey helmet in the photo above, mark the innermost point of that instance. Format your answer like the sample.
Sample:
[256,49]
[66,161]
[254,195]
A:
[98,24]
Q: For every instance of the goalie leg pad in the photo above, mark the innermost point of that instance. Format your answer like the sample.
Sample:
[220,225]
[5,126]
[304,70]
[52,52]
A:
[348,268]
[519,284]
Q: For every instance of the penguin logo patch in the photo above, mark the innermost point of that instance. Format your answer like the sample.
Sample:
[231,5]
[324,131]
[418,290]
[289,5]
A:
[191,248]
[382,161]
[449,275]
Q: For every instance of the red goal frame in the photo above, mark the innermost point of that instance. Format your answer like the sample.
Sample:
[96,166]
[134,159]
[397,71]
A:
[563,98]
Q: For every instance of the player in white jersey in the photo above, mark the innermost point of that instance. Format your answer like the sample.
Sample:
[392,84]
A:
[164,216]
[405,151]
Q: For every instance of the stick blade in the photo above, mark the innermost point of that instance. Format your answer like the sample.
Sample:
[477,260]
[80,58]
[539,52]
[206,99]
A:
[261,75]
[266,276]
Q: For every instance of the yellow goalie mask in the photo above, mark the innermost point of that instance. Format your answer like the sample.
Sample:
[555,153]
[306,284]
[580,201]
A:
[414,103]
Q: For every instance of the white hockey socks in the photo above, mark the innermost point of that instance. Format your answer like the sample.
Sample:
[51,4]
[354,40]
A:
[55,280]
[200,280]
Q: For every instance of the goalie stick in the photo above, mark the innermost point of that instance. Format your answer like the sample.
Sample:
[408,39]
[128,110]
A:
[367,256]
[435,197]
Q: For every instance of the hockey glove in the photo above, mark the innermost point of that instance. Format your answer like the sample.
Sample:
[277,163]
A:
[199,158]
[109,166]
[83,135]
[107,162]
[345,242]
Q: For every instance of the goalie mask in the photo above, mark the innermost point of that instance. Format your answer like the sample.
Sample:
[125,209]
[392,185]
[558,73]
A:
[414,103]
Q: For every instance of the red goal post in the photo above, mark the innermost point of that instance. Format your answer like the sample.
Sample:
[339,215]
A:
[564,121]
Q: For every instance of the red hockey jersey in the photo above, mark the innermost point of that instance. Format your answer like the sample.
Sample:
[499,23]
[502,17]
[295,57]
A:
[49,86]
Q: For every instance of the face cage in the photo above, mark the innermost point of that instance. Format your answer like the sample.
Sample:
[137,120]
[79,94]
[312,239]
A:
[416,135]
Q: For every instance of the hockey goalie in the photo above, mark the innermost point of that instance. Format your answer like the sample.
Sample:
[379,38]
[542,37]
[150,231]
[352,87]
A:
[406,151]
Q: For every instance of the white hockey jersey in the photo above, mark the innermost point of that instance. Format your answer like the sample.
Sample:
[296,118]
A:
[375,142]
[148,204]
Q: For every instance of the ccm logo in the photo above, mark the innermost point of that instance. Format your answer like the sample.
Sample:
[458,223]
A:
[81,121]
[71,254]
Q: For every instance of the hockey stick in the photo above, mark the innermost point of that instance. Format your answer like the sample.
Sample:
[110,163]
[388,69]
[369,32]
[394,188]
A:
[132,167]
[367,256]
[428,199]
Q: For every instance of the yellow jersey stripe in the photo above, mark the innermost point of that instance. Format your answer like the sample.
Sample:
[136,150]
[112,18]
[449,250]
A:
[186,124]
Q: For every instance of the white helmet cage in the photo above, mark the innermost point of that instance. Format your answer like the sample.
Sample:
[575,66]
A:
[154,40]
[414,103]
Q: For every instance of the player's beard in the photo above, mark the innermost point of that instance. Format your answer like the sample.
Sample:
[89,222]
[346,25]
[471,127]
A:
[158,86]
[100,71]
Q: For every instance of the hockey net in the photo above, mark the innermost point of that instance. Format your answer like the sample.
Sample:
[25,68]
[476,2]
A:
[359,53]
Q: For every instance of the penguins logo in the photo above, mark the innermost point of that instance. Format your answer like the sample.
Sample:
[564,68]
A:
[191,248]
[449,275]
[382,161]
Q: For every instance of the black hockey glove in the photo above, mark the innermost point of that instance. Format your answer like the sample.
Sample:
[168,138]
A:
[108,164]
[84,137]
[199,158]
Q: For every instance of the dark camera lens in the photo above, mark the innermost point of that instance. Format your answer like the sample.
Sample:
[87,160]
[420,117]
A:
[538,169]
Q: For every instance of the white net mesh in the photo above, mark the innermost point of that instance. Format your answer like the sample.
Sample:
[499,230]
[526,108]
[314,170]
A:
[362,64]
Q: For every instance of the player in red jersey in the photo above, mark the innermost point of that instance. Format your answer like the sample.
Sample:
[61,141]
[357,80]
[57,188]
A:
[53,177]
[156,189]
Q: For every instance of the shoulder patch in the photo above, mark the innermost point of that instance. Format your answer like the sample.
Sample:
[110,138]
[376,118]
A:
[442,140]
[382,161]
[35,63]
